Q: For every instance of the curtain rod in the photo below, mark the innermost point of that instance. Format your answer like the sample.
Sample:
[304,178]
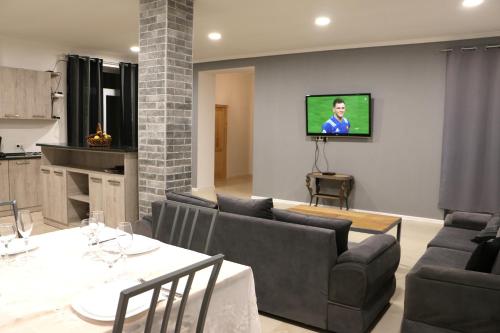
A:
[473,48]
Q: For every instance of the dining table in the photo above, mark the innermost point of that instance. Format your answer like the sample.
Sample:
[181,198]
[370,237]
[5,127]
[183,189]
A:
[41,291]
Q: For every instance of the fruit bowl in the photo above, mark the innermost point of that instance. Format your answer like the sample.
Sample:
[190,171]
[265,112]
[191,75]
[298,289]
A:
[99,139]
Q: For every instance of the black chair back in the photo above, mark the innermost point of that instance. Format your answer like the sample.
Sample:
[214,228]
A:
[187,226]
[156,284]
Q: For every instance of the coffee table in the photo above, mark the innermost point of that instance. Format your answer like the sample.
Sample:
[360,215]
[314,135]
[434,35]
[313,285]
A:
[362,222]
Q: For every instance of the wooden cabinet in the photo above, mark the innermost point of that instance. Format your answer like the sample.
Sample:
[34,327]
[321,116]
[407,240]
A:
[24,182]
[25,94]
[95,192]
[4,184]
[53,190]
[114,200]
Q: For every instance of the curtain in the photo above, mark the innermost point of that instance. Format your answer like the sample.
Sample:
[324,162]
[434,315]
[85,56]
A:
[470,169]
[84,100]
[129,90]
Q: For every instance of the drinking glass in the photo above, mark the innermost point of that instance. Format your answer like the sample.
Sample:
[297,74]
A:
[88,227]
[124,237]
[7,234]
[25,226]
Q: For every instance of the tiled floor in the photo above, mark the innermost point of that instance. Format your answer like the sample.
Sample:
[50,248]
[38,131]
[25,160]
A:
[414,237]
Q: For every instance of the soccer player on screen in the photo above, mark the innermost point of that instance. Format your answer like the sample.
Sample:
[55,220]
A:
[337,124]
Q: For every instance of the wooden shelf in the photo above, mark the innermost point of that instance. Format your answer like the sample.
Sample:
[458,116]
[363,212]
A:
[80,197]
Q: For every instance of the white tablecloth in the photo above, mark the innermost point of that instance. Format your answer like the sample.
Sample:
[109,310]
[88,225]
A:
[36,295]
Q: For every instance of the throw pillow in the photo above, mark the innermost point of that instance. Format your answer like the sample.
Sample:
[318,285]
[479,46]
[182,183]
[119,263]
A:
[484,256]
[190,199]
[340,226]
[249,207]
[490,231]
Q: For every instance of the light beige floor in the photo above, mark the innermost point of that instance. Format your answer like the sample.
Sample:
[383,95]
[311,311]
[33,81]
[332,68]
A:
[414,237]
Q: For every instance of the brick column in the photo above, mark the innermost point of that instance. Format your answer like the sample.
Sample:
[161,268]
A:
[165,99]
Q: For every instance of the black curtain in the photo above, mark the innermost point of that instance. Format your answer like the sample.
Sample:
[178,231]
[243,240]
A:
[129,74]
[84,85]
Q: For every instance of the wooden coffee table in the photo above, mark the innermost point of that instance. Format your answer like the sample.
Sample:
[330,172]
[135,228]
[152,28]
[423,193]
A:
[362,222]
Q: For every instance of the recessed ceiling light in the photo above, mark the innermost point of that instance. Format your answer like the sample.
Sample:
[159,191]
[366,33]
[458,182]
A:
[322,21]
[214,36]
[135,49]
[472,3]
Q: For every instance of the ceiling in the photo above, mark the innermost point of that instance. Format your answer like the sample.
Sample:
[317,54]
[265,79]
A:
[253,28]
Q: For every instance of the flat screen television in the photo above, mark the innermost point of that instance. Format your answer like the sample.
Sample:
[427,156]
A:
[346,115]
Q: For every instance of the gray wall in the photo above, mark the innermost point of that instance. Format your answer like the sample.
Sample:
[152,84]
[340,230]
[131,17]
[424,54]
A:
[398,169]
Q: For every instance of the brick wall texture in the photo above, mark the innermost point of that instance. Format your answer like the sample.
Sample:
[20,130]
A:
[165,99]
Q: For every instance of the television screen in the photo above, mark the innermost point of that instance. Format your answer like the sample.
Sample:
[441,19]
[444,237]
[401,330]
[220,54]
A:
[338,115]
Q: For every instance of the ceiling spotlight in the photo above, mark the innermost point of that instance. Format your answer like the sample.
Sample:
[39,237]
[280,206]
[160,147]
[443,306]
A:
[135,49]
[214,36]
[472,3]
[322,21]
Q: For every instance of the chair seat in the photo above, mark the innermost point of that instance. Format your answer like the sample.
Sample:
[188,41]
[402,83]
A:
[455,238]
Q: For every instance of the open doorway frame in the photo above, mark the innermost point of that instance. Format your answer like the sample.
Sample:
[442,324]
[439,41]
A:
[204,167]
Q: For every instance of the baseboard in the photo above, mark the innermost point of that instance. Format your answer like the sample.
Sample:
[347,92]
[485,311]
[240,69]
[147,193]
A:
[403,217]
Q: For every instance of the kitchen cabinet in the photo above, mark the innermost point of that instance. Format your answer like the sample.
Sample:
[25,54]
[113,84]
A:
[24,182]
[53,190]
[95,192]
[114,200]
[25,94]
[4,184]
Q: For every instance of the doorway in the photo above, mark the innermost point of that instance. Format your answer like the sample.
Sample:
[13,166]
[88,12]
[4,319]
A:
[225,131]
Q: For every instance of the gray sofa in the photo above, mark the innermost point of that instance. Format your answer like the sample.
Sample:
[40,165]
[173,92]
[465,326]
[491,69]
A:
[441,295]
[302,268]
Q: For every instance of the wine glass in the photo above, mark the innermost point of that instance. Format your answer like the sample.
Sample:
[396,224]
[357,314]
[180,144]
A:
[108,256]
[125,237]
[7,234]
[98,216]
[88,227]
[25,226]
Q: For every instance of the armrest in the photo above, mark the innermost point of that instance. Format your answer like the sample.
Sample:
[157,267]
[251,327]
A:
[363,270]
[464,220]
[455,299]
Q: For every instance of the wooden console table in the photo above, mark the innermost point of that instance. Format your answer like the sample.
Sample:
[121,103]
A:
[346,183]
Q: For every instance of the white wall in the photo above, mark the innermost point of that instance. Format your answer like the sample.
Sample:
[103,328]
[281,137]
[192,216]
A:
[36,55]
[205,131]
[235,89]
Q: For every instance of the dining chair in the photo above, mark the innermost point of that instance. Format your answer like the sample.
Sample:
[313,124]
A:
[156,284]
[185,225]
[13,205]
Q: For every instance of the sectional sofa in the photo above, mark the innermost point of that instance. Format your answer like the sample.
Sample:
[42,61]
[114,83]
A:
[441,295]
[304,268]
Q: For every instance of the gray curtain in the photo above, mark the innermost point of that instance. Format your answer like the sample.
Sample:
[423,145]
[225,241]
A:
[470,169]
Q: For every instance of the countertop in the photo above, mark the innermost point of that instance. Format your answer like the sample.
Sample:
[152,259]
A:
[112,149]
[20,156]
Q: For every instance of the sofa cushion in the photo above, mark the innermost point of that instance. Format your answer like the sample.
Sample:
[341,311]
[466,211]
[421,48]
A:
[490,231]
[454,238]
[467,220]
[191,199]
[439,256]
[483,258]
[340,226]
[249,207]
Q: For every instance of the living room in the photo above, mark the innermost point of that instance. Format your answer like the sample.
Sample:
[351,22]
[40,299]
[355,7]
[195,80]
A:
[405,57]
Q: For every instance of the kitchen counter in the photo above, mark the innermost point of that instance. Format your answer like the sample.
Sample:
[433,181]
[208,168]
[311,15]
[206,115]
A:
[20,156]
[112,149]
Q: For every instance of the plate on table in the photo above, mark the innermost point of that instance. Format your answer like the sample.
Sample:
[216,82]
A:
[18,245]
[101,303]
[140,244]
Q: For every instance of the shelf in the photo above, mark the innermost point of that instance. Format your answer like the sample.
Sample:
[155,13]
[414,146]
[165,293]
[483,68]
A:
[79,197]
